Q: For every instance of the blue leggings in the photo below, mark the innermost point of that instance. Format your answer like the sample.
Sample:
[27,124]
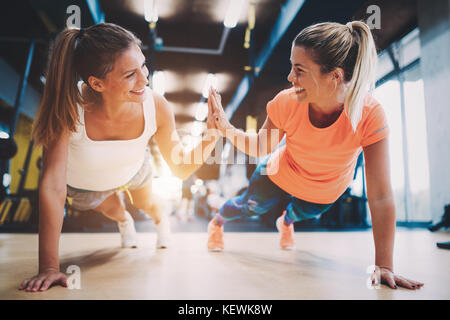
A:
[263,195]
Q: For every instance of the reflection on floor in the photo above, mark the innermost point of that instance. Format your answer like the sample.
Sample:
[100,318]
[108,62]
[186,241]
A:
[96,222]
[200,224]
[325,265]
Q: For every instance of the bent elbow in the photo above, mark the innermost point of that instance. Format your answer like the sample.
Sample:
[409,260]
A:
[55,194]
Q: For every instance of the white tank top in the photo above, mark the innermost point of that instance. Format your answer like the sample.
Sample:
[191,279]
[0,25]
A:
[105,165]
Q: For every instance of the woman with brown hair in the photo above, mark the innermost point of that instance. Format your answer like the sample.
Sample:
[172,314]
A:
[95,136]
[328,118]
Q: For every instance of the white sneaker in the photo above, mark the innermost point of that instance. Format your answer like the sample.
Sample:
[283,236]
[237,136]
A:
[128,232]
[163,232]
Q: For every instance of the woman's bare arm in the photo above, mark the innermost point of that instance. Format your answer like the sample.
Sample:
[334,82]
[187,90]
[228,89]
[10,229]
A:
[382,208]
[52,195]
[254,144]
[182,164]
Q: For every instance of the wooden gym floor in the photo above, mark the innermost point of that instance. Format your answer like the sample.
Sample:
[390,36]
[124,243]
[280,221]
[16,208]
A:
[325,265]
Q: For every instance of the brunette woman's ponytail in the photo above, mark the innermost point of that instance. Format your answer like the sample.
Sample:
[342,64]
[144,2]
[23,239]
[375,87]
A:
[58,109]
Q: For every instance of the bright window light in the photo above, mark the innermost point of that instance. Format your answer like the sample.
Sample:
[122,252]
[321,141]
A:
[151,13]
[233,13]
[202,111]
[211,80]
[158,81]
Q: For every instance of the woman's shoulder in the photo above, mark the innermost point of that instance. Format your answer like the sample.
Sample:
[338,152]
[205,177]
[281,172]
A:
[286,96]
[284,99]
[370,106]
[369,101]
[160,102]
[163,110]
[374,123]
[284,108]
[373,114]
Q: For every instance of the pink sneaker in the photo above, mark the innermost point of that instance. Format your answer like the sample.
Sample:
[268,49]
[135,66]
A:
[215,236]
[287,240]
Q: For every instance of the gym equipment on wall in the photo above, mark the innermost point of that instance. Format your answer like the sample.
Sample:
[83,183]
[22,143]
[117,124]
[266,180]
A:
[20,209]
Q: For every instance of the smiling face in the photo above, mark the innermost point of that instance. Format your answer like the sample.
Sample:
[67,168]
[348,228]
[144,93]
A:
[127,80]
[311,86]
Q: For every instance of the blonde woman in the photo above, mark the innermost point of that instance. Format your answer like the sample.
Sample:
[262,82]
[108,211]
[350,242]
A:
[95,138]
[328,118]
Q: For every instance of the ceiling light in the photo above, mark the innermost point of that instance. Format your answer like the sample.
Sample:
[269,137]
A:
[233,13]
[151,13]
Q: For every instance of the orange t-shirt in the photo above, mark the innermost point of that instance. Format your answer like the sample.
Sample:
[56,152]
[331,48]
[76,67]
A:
[317,164]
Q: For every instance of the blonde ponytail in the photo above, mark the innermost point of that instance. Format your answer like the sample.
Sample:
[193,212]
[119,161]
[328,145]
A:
[363,78]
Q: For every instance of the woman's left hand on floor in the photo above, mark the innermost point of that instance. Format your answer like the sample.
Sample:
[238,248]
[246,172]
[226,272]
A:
[394,280]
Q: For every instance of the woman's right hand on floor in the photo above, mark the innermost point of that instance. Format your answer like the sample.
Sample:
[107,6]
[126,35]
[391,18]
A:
[44,280]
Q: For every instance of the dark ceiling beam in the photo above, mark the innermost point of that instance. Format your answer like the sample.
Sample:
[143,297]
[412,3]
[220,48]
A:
[288,12]
[217,51]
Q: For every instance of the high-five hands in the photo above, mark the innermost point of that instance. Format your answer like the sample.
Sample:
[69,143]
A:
[210,120]
[216,112]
